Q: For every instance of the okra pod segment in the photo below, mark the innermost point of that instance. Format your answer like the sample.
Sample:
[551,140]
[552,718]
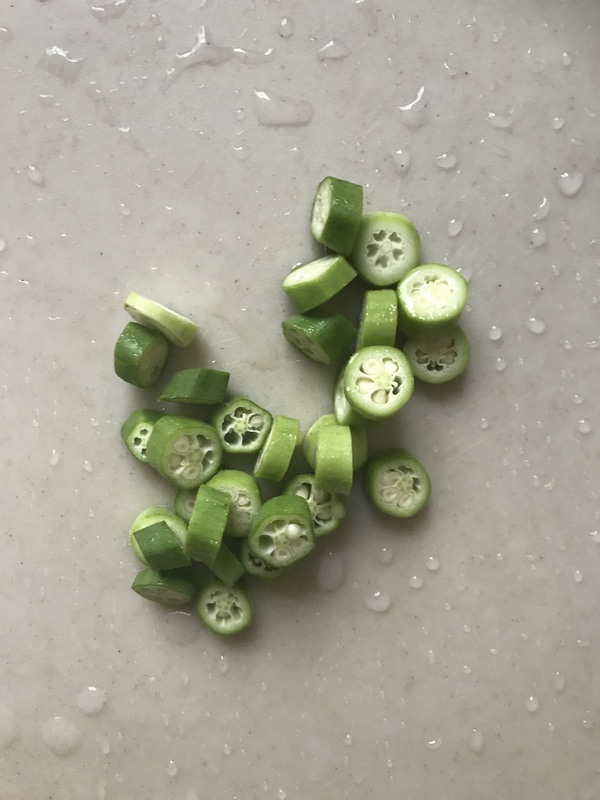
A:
[242,425]
[223,609]
[140,354]
[429,297]
[184,450]
[176,328]
[397,483]
[378,381]
[336,214]
[282,532]
[387,246]
[322,337]
[196,386]
[438,357]
[310,285]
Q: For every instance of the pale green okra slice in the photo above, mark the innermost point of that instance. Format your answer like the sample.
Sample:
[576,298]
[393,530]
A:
[379,318]
[336,214]
[140,354]
[387,246]
[274,459]
[178,329]
[438,356]
[256,567]
[397,483]
[227,567]
[223,609]
[242,425]
[173,588]
[378,381]
[136,431]
[283,531]
[184,503]
[333,459]
[430,296]
[310,285]
[185,450]
[326,508]
[207,525]
[358,434]
[245,499]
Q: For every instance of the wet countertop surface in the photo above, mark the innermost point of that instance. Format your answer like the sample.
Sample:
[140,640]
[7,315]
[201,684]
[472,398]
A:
[173,149]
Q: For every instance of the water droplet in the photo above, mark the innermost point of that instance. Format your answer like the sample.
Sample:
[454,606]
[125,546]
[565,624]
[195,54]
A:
[223,665]
[484,424]
[2,244]
[226,749]
[180,627]
[595,537]
[577,399]
[434,744]
[570,183]
[532,704]
[446,161]
[500,364]
[559,682]
[347,739]
[431,657]
[455,226]
[247,56]
[566,60]
[8,726]
[536,325]
[35,176]
[331,572]
[453,64]
[500,121]
[91,700]
[538,237]
[61,736]
[402,161]
[584,426]
[87,466]
[202,52]
[578,576]
[241,152]
[378,601]
[286,28]
[274,110]
[588,723]
[432,563]
[124,209]
[583,642]
[105,747]
[6,34]
[386,555]
[542,210]
[109,10]
[476,741]
[414,113]
[334,50]
[415,582]
[60,63]
[54,458]
[495,333]
[557,123]
[281,794]
[172,769]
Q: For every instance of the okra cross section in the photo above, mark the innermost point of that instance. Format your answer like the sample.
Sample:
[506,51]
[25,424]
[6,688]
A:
[378,381]
[223,609]
[184,450]
[283,531]
[397,483]
[242,425]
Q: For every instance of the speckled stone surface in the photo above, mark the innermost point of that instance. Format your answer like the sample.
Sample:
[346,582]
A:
[173,148]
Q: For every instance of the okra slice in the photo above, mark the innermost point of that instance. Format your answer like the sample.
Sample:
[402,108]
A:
[223,609]
[174,588]
[438,357]
[245,499]
[359,441]
[207,525]
[378,381]
[344,413]
[178,329]
[151,516]
[256,567]
[387,246]
[430,296]
[397,483]
[326,508]
[184,503]
[274,458]
[379,319]
[140,354]
[160,546]
[227,567]
[197,386]
[336,214]
[184,450]
[242,425]
[312,284]
[136,431]
[323,337]
[333,459]
[282,532]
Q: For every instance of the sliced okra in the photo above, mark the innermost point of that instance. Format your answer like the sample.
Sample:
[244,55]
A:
[397,483]
[274,458]
[136,431]
[378,381]
[223,609]
[140,354]
[173,588]
[161,548]
[430,296]
[184,450]
[336,214]
[245,499]
[333,459]
[358,434]
[438,357]
[242,425]
[310,285]
[196,386]
[322,337]
[386,247]
[151,516]
[207,525]
[178,329]
[326,508]
[256,567]
[379,319]
[282,532]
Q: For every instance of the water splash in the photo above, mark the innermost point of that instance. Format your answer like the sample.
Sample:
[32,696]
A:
[538,238]
[570,183]
[414,112]
[542,210]
[247,56]
[415,581]
[369,12]
[386,555]
[286,28]
[557,123]
[532,704]
[276,110]
[6,35]
[202,52]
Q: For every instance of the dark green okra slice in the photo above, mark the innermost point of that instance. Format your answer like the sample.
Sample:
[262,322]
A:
[379,318]
[359,441]
[242,425]
[245,499]
[196,386]
[256,567]
[136,431]
[274,458]
[207,525]
[336,214]
[223,609]
[429,297]
[397,483]
[333,459]
[174,588]
[386,247]
[378,381]
[310,285]
[161,548]
[322,337]
[140,354]
[438,357]
[176,328]
[326,508]
[184,450]
[282,532]
[151,516]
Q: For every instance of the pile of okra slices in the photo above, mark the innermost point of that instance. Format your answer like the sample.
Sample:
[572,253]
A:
[219,530]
